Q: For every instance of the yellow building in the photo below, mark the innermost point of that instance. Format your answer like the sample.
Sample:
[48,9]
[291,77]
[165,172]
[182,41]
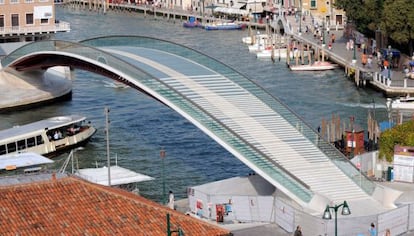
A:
[324,10]
[28,20]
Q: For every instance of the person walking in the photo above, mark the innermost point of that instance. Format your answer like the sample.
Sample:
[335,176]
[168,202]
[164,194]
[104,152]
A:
[298,231]
[372,230]
[171,200]
[387,232]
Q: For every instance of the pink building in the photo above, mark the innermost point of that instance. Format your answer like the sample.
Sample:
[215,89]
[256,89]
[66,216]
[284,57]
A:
[28,20]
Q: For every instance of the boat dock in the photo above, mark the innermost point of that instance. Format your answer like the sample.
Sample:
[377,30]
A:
[391,83]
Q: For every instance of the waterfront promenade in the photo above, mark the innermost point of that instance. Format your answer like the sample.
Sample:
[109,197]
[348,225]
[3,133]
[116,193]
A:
[373,77]
[363,76]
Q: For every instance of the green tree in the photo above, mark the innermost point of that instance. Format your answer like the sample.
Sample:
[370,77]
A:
[399,135]
[364,14]
[398,22]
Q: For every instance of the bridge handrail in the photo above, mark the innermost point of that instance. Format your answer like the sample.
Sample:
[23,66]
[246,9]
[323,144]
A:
[338,158]
[207,119]
[85,50]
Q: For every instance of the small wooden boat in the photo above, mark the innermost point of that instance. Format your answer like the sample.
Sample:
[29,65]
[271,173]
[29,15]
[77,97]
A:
[316,66]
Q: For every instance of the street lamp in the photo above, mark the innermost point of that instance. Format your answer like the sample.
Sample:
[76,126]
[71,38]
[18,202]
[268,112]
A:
[254,14]
[323,33]
[327,214]
[162,155]
[300,17]
[354,57]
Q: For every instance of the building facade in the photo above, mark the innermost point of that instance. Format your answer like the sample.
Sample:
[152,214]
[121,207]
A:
[28,20]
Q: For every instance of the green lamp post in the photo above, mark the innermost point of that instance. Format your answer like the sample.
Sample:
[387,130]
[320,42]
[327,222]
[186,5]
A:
[327,214]
[162,155]
[354,57]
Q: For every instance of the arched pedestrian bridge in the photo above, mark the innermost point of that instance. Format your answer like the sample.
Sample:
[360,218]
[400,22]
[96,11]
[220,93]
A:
[234,111]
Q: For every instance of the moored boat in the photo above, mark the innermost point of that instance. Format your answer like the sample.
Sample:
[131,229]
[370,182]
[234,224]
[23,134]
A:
[255,38]
[224,26]
[403,103]
[192,23]
[48,137]
[316,66]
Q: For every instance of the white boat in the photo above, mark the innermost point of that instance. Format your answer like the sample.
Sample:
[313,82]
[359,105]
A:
[224,26]
[252,39]
[47,137]
[277,53]
[403,103]
[316,66]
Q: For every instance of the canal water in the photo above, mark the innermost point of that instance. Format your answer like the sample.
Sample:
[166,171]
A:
[140,126]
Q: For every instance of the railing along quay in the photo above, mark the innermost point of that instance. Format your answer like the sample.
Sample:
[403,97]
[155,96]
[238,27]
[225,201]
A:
[372,76]
[169,13]
[399,85]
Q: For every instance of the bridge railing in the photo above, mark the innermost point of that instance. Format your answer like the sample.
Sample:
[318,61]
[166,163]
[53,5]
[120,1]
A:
[160,90]
[209,124]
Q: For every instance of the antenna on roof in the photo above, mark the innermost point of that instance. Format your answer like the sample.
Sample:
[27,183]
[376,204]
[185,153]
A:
[106,109]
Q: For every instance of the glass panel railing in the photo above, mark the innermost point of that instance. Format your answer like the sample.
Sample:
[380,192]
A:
[87,50]
[306,130]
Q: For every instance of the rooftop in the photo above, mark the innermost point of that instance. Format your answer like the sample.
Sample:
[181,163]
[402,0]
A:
[70,206]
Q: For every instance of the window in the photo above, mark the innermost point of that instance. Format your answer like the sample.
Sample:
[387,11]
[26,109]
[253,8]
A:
[28,1]
[44,21]
[21,144]
[29,19]
[11,147]
[39,140]
[1,21]
[2,149]
[14,1]
[313,4]
[31,142]
[15,21]
[1,1]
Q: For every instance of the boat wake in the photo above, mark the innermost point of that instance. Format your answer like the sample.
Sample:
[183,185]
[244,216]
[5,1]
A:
[114,85]
[364,105]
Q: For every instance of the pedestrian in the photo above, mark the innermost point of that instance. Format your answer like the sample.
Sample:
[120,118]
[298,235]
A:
[171,200]
[387,232]
[298,231]
[369,62]
[364,59]
[372,230]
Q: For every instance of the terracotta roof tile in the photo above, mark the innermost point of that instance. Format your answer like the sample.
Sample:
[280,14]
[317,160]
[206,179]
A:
[70,206]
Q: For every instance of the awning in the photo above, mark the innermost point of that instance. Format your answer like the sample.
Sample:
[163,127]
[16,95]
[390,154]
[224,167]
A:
[231,10]
[238,5]
[254,7]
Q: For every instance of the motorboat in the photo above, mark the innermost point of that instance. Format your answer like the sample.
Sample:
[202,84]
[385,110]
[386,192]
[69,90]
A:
[403,103]
[316,66]
[192,23]
[48,137]
[255,38]
[224,26]
[277,53]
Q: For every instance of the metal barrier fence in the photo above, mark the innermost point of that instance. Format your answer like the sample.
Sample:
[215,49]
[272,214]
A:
[278,210]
